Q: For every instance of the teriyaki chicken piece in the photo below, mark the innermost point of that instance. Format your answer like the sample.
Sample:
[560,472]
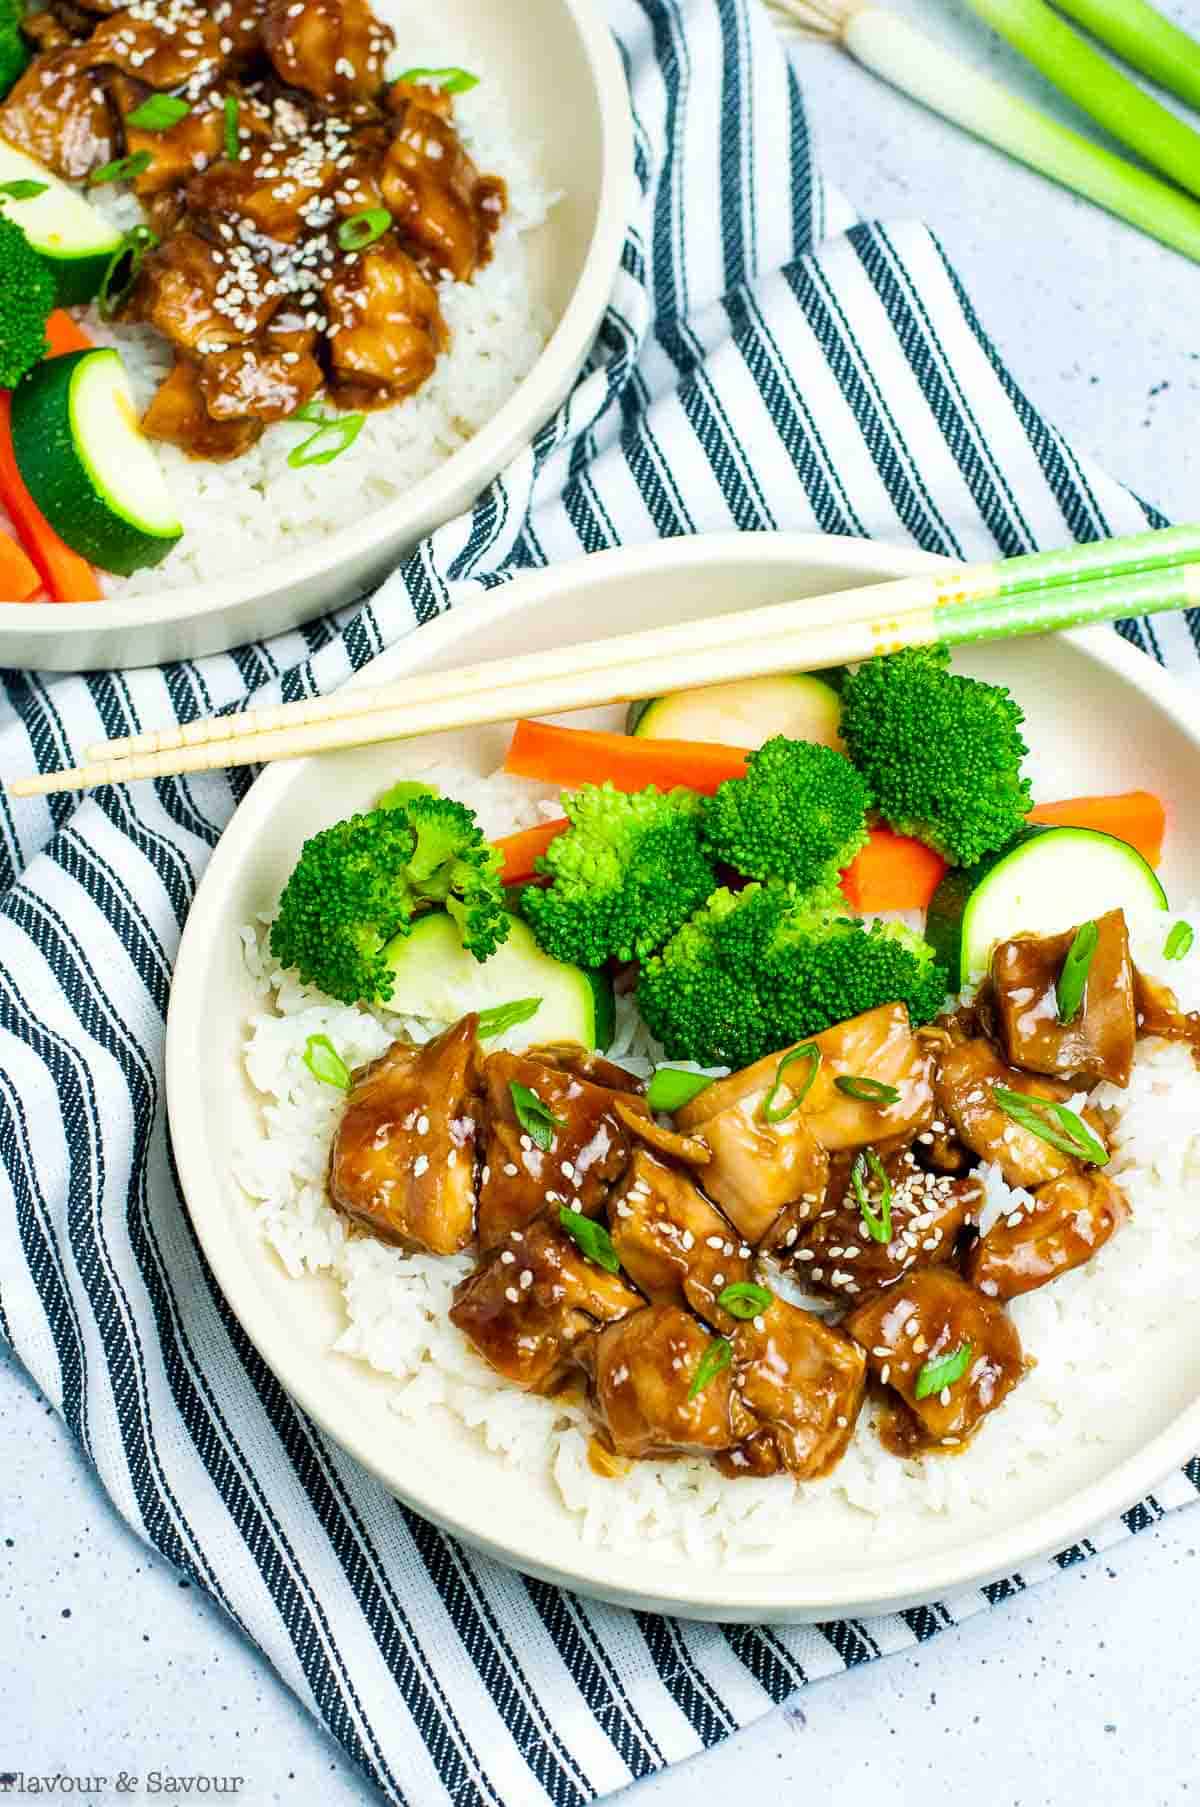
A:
[802,1382]
[891,1216]
[950,1355]
[1069,1221]
[659,1387]
[672,1242]
[403,1159]
[530,1301]
[1097,1040]
[554,1136]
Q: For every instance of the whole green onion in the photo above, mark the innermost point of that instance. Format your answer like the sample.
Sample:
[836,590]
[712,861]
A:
[1107,95]
[903,55]
[1144,39]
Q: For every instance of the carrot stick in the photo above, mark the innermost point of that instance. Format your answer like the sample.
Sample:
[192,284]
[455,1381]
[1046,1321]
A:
[65,334]
[892,872]
[68,577]
[521,851]
[1134,816]
[18,577]
[580,756]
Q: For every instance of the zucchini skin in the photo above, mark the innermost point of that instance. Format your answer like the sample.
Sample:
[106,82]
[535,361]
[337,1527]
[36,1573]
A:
[77,279]
[59,481]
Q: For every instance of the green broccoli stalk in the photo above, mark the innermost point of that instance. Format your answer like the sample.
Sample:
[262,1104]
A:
[941,753]
[28,291]
[760,968]
[453,865]
[800,813]
[625,874]
[14,52]
[362,882]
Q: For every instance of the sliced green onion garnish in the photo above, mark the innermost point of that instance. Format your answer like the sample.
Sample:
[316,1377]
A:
[325,1063]
[123,268]
[500,1017]
[672,1088]
[362,229]
[867,1091]
[1179,942]
[124,169]
[718,1355]
[535,1118]
[878,1225]
[1054,1123]
[158,113]
[450,81]
[341,430]
[590,1237]
[774,1113]
[23,190]
[744,1299]
[233,143]
[1072,980]
[943,1371]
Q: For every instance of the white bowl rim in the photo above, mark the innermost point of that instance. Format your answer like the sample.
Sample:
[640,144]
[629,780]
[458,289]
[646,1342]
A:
[553,372]
[624,1579]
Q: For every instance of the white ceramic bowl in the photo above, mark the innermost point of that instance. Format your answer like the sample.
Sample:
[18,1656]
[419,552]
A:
[1101,717]
[557,65]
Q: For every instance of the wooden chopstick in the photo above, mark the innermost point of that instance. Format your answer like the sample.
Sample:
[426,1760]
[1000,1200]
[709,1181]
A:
[998,579]
[810,635]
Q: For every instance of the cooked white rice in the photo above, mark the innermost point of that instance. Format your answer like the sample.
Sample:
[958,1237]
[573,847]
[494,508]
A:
[258,508]
[1080,1329]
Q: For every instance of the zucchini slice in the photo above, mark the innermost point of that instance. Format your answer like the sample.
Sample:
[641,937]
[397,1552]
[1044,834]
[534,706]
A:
[73,238]
[1048,880]
[88,465]
[744,713]
[437,978]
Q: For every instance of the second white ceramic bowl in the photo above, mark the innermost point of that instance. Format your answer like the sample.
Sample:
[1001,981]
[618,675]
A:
[557,66]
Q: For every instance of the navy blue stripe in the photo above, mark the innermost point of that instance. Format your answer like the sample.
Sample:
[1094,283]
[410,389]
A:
[704,1711]
[598,1680]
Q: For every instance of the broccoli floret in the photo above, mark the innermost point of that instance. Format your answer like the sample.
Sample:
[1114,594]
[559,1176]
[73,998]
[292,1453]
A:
[941,753]
[759,968]
[28,290]
[363,881]
[800,813]
[14,52]
[452,864]
[625,874]
[347,897]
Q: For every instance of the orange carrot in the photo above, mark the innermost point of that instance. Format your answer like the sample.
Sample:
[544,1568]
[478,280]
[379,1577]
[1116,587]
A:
[580,756]
[65,334]
[892,872]
[521,851]
[1134,816]
[18,577]
[68,577]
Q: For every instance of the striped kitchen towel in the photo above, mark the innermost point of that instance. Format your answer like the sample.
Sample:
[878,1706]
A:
[764,363]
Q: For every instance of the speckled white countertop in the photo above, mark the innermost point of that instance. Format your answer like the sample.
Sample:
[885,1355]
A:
[1081,1691]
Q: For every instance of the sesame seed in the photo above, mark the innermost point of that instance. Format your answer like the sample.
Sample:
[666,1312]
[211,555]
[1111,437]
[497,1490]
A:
[511,1169]
[507,1257]
[526,1279]
[422,1125]
[512,1295]
[420,1165]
